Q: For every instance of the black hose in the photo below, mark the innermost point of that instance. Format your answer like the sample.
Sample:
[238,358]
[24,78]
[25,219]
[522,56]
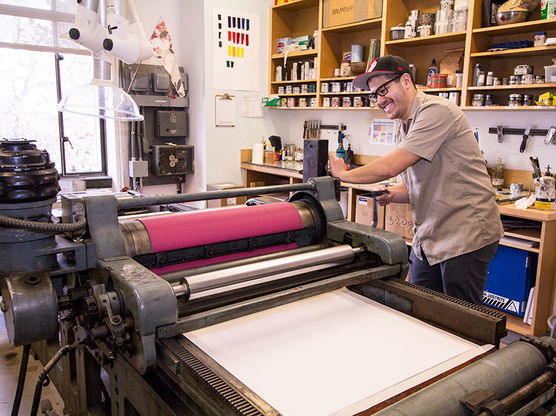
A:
[44,227]
[43,377]
[21,379]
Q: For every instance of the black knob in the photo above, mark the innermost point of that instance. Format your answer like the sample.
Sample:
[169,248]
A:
[74,33]
[108,44]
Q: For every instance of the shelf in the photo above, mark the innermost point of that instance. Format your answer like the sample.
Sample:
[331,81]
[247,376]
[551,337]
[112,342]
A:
[520,247]
[309,94]
[293,82]
[295,108]
[429,40]
[327,108]
[355,27]
[336,79]
[508,108]
[513,87]
[523,27]
[440,89]
[295,54]
[540,50]
[296,5]
[345,93]
[529,234]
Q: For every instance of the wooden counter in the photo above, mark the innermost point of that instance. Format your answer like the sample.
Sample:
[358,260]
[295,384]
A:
[545,238]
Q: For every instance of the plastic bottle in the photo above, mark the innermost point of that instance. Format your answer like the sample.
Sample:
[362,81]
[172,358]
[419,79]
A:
[477,69]
[433,69]
[459,78]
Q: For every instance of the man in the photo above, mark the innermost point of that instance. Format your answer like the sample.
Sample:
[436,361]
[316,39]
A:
[444,179]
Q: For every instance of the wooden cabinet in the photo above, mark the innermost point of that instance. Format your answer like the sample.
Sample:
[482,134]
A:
[303,17]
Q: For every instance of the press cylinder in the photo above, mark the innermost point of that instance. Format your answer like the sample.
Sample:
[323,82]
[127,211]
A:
[198,228]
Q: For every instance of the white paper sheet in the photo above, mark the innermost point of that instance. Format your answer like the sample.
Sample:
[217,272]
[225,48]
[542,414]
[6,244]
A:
[224,111]
[335,353]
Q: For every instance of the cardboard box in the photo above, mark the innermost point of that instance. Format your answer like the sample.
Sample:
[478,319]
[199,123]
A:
[341,12]
[364,211]
[398,219]
[225,202]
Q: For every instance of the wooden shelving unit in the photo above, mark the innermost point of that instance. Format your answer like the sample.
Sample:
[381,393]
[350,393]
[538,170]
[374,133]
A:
[303,17]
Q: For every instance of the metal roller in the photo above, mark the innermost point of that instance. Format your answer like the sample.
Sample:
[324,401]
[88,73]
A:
[219,278]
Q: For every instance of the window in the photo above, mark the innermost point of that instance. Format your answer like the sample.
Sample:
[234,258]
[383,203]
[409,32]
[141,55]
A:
[32,52]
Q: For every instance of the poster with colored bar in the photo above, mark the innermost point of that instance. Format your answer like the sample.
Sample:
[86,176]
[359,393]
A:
[236,50]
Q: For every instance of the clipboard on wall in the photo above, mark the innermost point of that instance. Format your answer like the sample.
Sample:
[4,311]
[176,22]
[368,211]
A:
[224,110]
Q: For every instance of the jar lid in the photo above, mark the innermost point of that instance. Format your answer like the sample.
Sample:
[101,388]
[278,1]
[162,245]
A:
[459,71]
[516,96]
[398,28]
[541,33]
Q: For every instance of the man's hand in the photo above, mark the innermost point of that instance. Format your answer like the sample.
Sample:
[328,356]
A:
[337,166]
[386,197]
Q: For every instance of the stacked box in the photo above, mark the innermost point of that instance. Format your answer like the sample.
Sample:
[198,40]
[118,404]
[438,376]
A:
[364,209]
[398,219]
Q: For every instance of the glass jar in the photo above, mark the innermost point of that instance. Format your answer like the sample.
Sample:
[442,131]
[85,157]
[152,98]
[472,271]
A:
[346,101]
[326,102]
[289,89]
[489,99]
[478,100]
[281,90]
[296,90]
[335,102]
[358,102]
[497,172]
[324,87]
[336,87]
[539,79]
[528,100]
[513,80]
[304,88]
[302,102]
[516,100]
[313,102]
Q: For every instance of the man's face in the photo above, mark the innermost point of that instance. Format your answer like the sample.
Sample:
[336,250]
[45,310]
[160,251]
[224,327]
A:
[396,102]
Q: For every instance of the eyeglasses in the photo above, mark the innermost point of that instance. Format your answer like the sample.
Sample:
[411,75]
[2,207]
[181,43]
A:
[382,90]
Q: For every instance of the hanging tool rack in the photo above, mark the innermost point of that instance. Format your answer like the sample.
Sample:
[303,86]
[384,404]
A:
[527,132]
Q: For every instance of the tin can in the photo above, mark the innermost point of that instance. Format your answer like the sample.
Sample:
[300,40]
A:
[291,102]
[349,87]
[336,87]
[281,90]
[289,89]
[313,102]
[358,102]
[304,88]
[326,102]
[302,102]
[335,102]
[296,90]
[324,87]
[346,101]
[515,100]
[312,88]
[478,100]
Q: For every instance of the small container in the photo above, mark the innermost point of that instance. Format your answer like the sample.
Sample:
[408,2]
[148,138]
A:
[343,86]
[283,102]
[424,30]
[489,79]
[278,74]
[304,88]
[513,80]
[336,72]
[326,102]
[348,87]
[539,79]
[505,81]
[459,78]
[516,100]
[540,38]
[312,88]
[313,102]
[302,102]
[281,90]
[478,100]
[528,100]
[324,87]
[289,89]
[442,80]
[346,101]
[495,81]
[291,102]
[335,102]
[358,102]
[489,99]
[296,90]
[335,87]
[434,81]
[454,97]
[397,32]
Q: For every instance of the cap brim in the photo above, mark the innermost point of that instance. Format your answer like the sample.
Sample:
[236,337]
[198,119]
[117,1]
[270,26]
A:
[361,81]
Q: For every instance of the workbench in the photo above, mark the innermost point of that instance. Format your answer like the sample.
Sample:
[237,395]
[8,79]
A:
[543,239]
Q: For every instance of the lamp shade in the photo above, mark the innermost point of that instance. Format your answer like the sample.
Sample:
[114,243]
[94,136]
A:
[100,99]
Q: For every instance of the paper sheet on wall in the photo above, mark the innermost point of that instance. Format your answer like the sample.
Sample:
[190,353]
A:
[236,50]
[251,106]
[225,111]
[333,354]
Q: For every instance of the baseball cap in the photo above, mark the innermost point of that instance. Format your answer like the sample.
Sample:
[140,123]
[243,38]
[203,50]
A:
[385,65]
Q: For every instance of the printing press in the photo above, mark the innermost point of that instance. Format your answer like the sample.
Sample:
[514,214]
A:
[105,296]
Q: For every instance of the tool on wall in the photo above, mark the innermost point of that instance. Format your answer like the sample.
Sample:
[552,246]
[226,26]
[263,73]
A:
[527,132]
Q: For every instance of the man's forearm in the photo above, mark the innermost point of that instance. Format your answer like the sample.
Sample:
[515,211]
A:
[373,172]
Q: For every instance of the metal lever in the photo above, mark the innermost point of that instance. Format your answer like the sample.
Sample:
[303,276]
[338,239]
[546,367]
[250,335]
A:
[500,133]
[524,141]
[374,194]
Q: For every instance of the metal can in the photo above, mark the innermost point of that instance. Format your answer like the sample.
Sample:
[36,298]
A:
[326,102]
[336,87]
[289,89]
[304,88]
[528,100]
[281,90]
[324,87]
[296,90]
[335,102]
[346,101]
[516,100]
[358,102]
[489,99]
[302,102]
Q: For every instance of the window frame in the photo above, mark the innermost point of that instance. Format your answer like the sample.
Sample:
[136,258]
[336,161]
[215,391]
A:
[55,17]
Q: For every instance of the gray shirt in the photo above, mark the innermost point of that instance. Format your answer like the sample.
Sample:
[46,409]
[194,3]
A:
[453,204]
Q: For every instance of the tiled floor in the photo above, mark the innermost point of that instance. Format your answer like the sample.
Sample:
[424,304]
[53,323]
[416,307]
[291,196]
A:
[10,359]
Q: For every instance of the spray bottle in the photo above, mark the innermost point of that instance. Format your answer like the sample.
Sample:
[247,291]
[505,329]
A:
[340,151]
